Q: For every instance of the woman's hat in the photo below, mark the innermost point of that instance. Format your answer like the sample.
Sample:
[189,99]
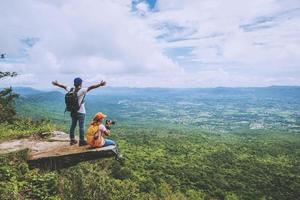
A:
[99,116]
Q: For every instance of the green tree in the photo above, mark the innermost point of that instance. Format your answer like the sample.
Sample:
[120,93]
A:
[7,99]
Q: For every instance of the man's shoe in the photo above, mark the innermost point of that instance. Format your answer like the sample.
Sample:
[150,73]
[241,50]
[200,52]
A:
[73,141]
[82,142]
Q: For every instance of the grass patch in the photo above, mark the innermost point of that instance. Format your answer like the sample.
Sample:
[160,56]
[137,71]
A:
[23,128]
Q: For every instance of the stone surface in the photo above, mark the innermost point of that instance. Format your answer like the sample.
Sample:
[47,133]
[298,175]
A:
[55,152]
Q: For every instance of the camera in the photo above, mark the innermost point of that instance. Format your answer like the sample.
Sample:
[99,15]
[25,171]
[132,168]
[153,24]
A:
[108,123]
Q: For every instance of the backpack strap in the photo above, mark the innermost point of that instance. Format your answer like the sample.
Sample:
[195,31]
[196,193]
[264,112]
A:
[82,101]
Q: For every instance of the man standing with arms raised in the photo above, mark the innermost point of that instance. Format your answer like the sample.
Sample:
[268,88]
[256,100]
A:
[79,114]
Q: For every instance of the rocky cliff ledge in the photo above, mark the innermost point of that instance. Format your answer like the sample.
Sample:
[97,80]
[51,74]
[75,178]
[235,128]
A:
[53,151]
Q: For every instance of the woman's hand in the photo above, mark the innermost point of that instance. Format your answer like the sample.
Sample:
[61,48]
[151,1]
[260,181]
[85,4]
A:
[96,136]
[107,132]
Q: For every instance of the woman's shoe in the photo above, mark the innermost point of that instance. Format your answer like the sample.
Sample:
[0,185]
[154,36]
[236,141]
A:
[119,157]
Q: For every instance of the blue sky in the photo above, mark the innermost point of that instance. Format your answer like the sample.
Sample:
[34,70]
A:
[150,3]
[151,43]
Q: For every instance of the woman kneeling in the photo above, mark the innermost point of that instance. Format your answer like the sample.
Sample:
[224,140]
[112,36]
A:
[96,132]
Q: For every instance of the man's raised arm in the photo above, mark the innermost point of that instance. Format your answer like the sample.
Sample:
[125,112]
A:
[55,83]
[102,83]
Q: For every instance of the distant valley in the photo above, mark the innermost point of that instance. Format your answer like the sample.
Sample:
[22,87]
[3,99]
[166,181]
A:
[221,109]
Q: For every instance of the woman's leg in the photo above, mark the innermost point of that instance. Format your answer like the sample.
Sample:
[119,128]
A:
[108,142]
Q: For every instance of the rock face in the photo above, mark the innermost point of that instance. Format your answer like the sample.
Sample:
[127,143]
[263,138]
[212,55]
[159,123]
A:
[55,152]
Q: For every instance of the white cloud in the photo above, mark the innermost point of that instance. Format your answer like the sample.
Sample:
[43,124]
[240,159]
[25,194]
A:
[81,38]
[232,43]
[253,37]
[142,8]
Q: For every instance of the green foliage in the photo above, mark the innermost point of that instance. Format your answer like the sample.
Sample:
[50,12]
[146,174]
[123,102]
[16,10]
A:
[7,111]
[18,182]
[7,99]
[190,164]
[120,172]
[92,181]
[169,164]
[164,160]
[40,185]
[24,127]
[5,74]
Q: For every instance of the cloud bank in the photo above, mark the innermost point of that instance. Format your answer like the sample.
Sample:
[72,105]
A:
[180,43]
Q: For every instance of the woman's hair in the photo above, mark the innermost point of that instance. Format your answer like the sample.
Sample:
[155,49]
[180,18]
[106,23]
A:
[98,118]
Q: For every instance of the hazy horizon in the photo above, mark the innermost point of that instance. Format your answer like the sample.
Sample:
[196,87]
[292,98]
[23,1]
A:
[128,87]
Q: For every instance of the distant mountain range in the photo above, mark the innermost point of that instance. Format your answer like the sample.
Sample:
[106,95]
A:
[30,90]
[121,91]
[26,90]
